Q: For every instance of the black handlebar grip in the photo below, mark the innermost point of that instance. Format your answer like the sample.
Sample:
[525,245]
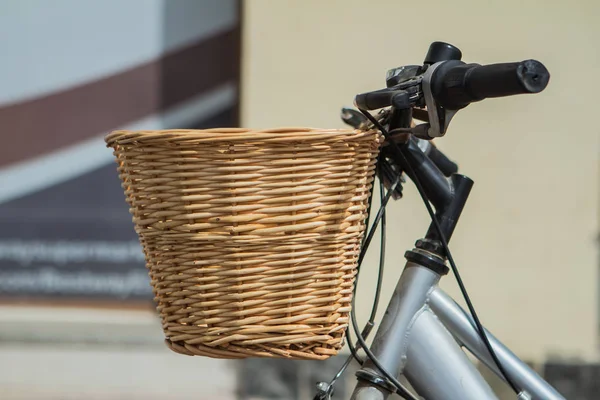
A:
[499,80]
[374,100]
[455,85]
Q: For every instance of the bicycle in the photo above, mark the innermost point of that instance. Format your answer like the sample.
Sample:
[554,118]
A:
[423,331]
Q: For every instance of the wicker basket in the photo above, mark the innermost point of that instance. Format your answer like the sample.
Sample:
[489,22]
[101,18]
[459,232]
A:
[251,238]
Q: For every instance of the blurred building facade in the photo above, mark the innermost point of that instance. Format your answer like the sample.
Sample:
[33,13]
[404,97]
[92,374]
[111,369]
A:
[76,318]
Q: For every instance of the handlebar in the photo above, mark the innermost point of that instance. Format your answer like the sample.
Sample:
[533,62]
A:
[455,84]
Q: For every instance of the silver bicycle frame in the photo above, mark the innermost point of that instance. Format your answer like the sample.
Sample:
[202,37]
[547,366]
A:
[421,336]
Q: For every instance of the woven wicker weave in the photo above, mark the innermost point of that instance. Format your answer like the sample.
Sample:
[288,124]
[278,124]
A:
[251,237]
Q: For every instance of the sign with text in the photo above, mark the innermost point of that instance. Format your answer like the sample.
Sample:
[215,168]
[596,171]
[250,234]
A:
[66,235]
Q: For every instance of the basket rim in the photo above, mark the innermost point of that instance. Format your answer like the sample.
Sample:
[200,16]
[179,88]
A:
[234,134]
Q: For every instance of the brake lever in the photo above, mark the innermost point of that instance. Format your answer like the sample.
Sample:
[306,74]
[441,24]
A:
[438,117]
[354,118]
[357,120]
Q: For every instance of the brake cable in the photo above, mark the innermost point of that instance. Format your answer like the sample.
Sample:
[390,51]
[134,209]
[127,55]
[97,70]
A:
[479,326]
[400,388]
[327,389]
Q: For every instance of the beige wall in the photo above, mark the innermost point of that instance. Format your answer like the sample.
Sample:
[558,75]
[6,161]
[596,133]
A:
[526,244]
